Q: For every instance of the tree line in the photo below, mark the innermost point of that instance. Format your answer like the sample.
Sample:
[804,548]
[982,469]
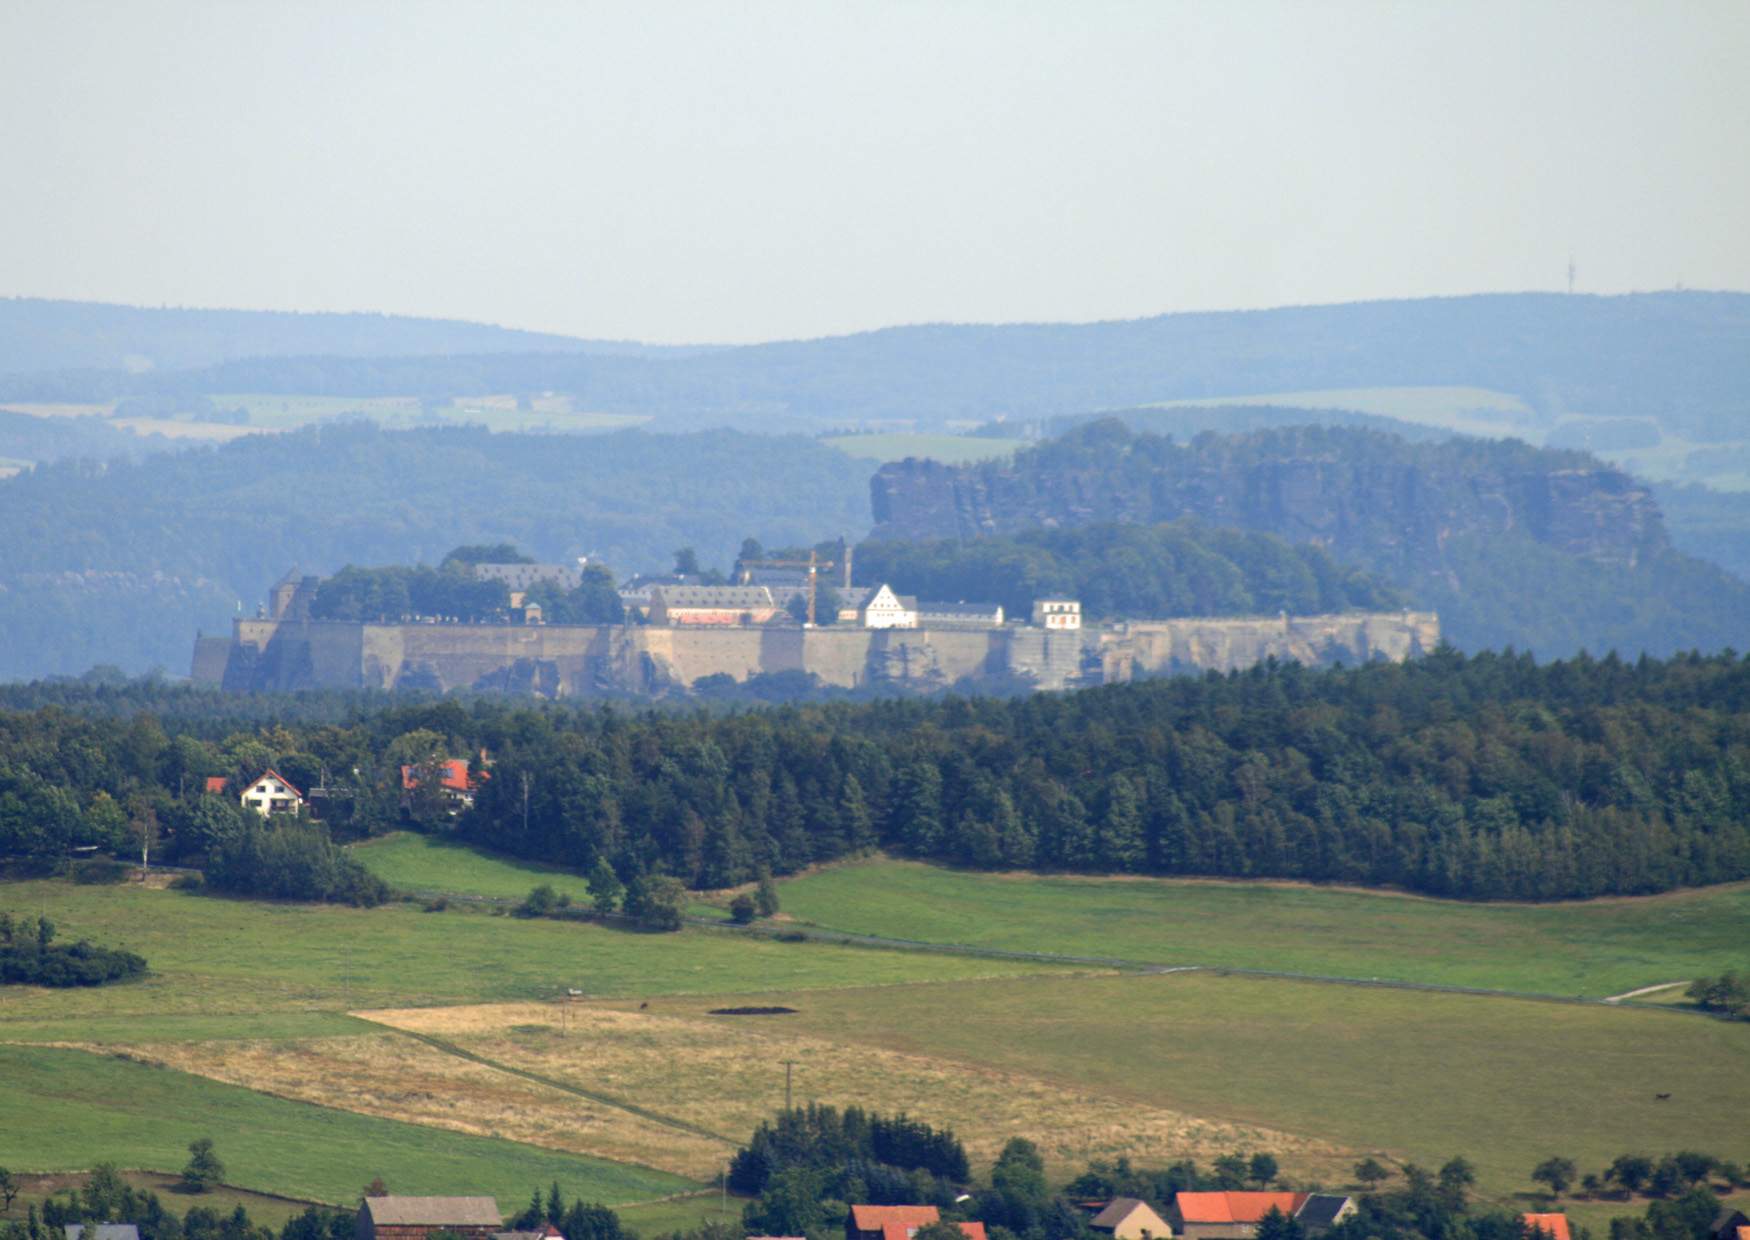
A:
[1483,777]
[1175,568]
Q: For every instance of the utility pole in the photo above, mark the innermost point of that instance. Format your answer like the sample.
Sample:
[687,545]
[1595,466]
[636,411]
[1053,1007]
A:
[1570,275]
[525,775]
[788,1065]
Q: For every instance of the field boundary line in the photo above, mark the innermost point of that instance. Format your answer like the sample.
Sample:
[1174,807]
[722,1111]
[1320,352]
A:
[655,1117]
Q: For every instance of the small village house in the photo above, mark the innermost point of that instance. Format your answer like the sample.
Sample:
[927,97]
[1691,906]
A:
[416,1218]
[453,783]
[1550,1226]
[1236,1215]
[1130,1218]
[899,1223]
[101,1231]
[518,578]
[271,794]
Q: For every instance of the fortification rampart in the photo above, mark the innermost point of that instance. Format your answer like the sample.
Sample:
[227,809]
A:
[580,660]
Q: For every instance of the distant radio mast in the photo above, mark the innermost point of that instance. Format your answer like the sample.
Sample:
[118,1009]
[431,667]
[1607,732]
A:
[1570,275]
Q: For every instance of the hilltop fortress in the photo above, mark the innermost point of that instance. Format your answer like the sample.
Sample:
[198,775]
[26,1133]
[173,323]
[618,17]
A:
[284,649]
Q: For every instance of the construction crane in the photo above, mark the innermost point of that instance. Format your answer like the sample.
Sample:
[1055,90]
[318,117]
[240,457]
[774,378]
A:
[813,564]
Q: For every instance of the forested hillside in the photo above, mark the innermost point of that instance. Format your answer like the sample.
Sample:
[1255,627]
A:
[120,563]
[42,335]
[1682,358]
[1487,777]
[1176,568]
[1542,550]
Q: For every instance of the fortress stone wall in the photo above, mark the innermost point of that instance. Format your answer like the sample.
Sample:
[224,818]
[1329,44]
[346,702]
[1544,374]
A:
[581,661]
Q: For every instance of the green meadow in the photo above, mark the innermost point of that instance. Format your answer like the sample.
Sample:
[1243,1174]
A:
[1417,1076]
[408,861]
[1596,948]
[68,1108]
[236,968]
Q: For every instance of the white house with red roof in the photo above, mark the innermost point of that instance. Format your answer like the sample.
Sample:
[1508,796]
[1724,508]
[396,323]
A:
[271,794]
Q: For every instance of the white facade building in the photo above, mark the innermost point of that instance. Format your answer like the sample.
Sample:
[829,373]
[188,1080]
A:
[1057,613]
[884,609]
[271,794]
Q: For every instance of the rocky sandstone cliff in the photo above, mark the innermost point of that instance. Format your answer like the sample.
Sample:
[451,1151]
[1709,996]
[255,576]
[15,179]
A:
[1368,498]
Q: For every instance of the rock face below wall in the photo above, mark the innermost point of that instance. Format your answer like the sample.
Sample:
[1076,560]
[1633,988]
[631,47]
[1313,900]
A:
[586,661]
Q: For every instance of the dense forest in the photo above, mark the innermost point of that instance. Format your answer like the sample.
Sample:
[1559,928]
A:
[83,580]
[1482,777]
[1682,356]
[1514,546]
[1176,568]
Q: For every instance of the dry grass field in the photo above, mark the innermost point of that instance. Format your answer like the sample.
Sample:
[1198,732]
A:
[725,1074]
[402,1079]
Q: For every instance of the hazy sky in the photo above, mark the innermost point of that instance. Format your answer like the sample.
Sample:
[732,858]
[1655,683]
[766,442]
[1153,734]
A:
[742,171]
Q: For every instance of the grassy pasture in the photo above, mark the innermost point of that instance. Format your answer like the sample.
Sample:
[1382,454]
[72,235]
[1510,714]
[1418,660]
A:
[68,1109]
[1419,1076]
[234,968]
[1596,948]
[896,446]
[263,1207]
[413,862]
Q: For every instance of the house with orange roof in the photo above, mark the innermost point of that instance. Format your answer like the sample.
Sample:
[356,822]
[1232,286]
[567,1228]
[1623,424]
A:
[1553,1226]
[453,782]
[1236,1215]
[899,1223]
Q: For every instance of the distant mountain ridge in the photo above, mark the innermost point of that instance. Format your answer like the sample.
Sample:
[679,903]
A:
[1514,545]
[1682,356]
[40,334]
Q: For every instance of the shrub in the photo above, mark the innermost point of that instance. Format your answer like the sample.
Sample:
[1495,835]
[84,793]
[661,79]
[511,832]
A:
[742,909]
[100,873]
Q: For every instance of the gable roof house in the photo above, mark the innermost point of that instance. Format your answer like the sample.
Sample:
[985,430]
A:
[1130,1218]
[1730,1224]
[1235,1216]
[881,608]
[415,1218]
[453,781]
[899,1223]
[271,794]
[101,1231]
[1554,1226]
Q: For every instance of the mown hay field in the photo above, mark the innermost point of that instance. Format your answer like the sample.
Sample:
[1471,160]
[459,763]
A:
[1594,948]
[68,1109]
[726,1074]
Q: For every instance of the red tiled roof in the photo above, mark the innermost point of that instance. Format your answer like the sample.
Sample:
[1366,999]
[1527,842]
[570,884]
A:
[905,1231]
[270,773]
[454,777]
[1237,1207]
[879,1218]
[216,783]
[1552,1225]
